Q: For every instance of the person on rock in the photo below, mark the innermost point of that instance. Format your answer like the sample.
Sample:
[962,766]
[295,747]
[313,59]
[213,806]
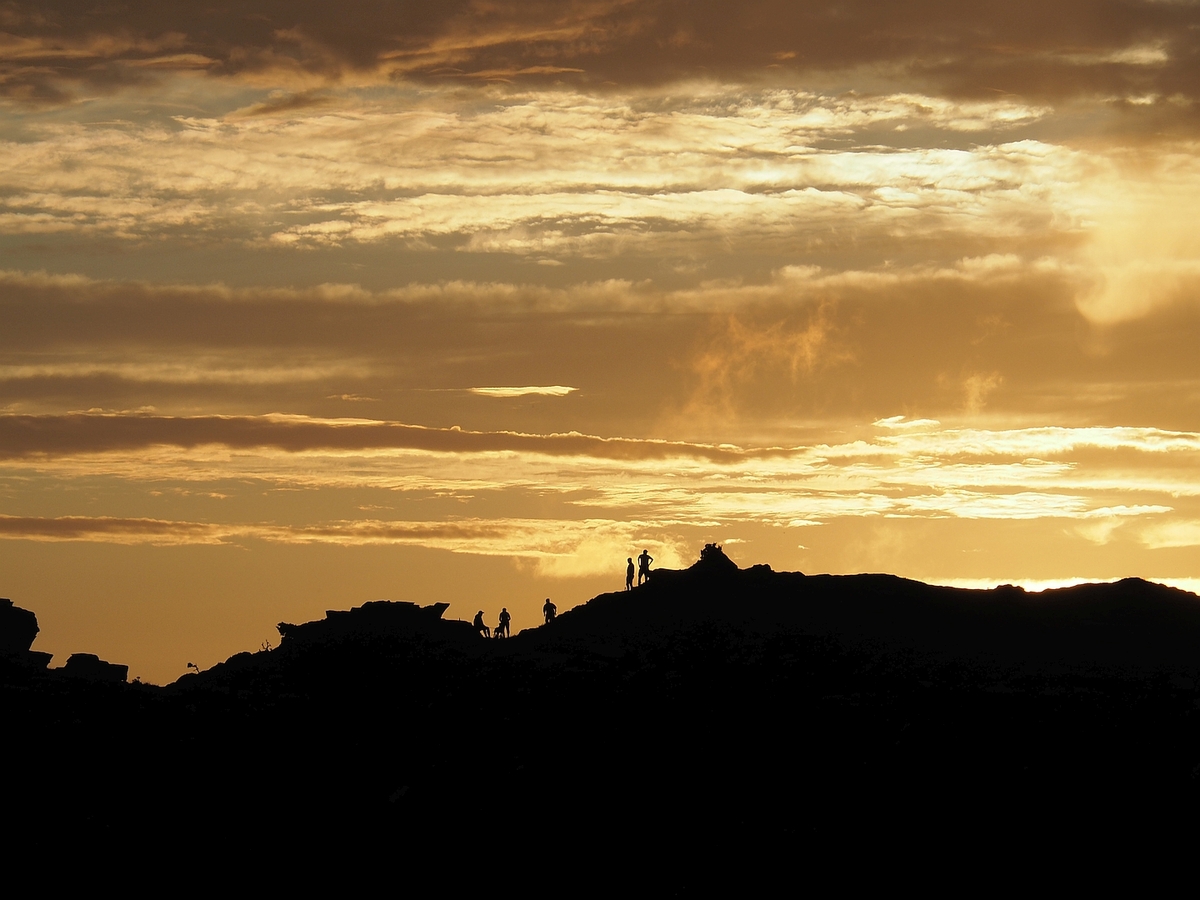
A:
[549,610]
[644,566]
[629,574]
[480,627]
[502,625]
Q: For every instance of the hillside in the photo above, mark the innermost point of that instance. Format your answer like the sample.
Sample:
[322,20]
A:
[712,707]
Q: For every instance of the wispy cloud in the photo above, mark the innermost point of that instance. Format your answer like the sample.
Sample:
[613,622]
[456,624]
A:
[589,180]
[554,390]
[557,547]
[1181,533]
[1080,50]
[926,472]
[91,433]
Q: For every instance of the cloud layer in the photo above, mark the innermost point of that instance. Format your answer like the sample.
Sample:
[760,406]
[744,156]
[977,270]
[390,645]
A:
[1100,478]
[297,299]
[52,50]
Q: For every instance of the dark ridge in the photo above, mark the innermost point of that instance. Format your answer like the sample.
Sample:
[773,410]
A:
[1129,623]
[93,668]
[716,714]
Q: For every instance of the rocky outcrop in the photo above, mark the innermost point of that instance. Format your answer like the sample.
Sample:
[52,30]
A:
[713,559]
[18,628]
[377,618]
[92,668]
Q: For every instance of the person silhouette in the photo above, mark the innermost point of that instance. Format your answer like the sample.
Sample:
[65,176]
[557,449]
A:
[644,566]
[480,627]
[549,610]
[502,625]
[629,574]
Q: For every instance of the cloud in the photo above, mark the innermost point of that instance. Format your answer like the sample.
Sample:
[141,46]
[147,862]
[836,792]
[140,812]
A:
[1037,585]
[554,390]
[741,232]
[1101,530]
[112,530]
[191,371]
[1144,253]
[589,180]
[281,103]
[931,472]
[22,436]
[977,387]
[1184,533]
[1075,49]
[747,358]
[74,434]
[739,354]
[556,548]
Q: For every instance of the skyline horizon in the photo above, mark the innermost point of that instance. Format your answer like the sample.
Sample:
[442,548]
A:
[1033,586]
[302,309]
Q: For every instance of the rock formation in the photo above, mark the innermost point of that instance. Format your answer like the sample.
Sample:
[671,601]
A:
[93,668]
[376,618]
[18,628]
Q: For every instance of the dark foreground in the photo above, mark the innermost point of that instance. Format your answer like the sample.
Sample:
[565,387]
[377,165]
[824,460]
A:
[716,717]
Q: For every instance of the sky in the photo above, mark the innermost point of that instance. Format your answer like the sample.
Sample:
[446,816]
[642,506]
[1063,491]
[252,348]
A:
[309,304]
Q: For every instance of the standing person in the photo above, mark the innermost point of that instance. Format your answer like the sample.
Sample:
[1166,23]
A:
[629,574]
[549,610]
[480,627]
[644,566]
[505,618]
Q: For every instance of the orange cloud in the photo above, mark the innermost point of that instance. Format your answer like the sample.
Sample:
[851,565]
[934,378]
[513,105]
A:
[1077,48]
[558,548]
[555,390]
[23,436]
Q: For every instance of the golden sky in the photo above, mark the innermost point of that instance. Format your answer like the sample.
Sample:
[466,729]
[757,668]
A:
[309,304]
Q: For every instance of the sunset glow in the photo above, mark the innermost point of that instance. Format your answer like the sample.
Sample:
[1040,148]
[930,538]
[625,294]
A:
[305,306]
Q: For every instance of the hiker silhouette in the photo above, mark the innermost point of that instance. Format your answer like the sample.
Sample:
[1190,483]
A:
[480,627]
[502,624]
[629,574]
[549,610]
[644,566]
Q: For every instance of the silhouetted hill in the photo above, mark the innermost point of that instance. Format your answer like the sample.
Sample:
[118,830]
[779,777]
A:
[1130,623]
[1129,626]
[744,713]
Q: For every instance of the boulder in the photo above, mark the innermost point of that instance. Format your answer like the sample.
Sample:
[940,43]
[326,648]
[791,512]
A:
[93,668]
[18,627]
[713,559]
[376,619]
